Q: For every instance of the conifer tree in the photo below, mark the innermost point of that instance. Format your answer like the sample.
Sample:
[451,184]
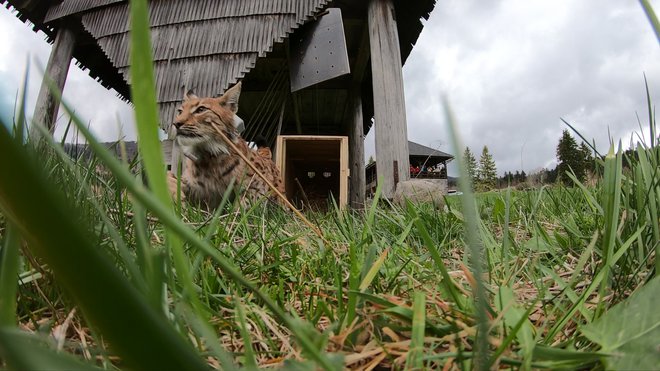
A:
[487,170]
[471,163]
[587,159]
[570,158]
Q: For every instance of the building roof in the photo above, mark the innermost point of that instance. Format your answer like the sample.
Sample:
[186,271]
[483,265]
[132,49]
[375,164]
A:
[416,149]
[205,45]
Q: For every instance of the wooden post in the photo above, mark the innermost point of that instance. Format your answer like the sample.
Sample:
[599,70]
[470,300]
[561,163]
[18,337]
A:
[45,111]
[389,104]
[356,151]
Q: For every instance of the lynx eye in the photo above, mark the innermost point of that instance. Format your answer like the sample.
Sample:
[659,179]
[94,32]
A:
[179,111]
[201,109]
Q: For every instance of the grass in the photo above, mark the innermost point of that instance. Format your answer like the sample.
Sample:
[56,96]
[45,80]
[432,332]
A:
[99,272]
[360,294]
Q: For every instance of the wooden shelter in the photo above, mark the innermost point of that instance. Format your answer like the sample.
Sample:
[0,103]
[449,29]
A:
[208,45]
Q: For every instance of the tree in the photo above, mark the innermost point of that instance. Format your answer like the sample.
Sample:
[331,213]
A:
[471,164]
[587,159]
[570,159]
[487,170]
[371,160]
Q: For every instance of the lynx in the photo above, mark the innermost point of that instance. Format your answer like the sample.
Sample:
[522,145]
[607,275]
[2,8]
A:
[212,165]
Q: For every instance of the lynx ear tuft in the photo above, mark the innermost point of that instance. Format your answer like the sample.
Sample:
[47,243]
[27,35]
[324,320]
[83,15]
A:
[230,98]
[190,95]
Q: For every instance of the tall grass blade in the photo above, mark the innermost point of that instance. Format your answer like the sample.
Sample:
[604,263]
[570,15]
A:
[447,282]
[21,120]
[611,205]
[146,116]
[521,321]
[373,271]
[112,231]
[9,268]
[144,97]
[651,114]
[141,336]
[28,352]
[517,320]
[648,9]
[415,360]
[593,285]
[248,350]
[472,231]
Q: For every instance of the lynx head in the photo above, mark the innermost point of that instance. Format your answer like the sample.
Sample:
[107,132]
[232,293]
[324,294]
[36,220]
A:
[196,117]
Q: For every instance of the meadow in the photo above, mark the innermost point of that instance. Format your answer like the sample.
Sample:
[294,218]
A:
[113,274]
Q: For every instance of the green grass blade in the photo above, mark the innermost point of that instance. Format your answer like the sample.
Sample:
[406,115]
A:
[204,331]
[597,279]
[373,271]
[248,350]
[447,281]
[21,121]
[143,94]
[112,231]
[651,113]
[415,360]
[630,330]
[28,352]
[140,335]
[144,97]
[9,267]
[648,9]
[523,328]
[472,231]
[521,322]
[611,205]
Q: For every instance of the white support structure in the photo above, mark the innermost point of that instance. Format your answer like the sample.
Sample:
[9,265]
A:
[392,159]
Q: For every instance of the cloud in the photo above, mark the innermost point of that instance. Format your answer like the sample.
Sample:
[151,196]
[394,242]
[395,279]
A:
[94,104]
[511,69]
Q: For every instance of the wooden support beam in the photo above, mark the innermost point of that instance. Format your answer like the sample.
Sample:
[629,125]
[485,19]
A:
[389,104]
[295,97]
[355,120]
[358,185]
[57,69]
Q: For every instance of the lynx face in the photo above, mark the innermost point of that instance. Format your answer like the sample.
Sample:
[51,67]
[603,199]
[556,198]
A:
[195,119]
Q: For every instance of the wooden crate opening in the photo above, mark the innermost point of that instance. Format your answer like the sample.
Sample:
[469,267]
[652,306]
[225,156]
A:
[314,168]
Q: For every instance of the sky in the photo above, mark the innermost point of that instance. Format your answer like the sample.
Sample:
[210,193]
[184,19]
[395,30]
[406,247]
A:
[510,70]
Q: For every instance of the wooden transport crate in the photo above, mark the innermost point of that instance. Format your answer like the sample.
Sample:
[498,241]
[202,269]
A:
[314,168]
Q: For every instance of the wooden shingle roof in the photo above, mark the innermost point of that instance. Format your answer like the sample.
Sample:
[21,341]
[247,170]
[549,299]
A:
[202,45]
[207,45]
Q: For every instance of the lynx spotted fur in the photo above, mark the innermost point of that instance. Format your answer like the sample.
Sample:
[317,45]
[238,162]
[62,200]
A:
[211,165]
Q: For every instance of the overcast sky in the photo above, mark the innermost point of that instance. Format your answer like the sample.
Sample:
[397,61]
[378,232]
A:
[510,68]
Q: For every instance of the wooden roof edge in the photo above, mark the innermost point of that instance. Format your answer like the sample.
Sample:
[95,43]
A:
[409,25]
[416,149]
[32,12]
